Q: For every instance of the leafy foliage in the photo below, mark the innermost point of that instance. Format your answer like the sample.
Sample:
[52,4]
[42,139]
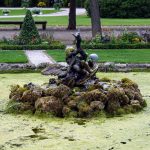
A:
[123,38]
[29,33]
[122,8]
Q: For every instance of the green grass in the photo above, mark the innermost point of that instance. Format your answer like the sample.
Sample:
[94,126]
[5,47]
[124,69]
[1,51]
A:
[14,12]
[118,56]
[13,56]
[86,21]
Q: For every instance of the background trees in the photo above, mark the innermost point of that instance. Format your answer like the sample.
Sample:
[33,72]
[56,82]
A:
[95,18]
[122,8]
[72,15]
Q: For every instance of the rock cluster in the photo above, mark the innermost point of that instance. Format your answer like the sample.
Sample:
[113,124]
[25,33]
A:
[112,97]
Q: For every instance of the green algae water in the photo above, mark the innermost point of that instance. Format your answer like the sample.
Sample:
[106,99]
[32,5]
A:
[26,132]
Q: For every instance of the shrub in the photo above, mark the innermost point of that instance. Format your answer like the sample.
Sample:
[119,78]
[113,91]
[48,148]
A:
[25,3]
[6,11]
[36,11]
[122,9]
[29,33]
[32,47]
[57,6]
[124,38]
[116,46]
[41,4]
[131,37]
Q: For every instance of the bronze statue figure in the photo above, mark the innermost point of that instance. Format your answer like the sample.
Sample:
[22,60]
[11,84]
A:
[79,70]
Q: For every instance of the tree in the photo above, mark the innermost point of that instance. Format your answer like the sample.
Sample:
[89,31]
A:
[29,33]
[72,15]
[95,18]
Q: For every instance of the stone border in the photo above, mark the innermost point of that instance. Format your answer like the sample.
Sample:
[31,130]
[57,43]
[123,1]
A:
[88,28]
[104,67]
[123,67]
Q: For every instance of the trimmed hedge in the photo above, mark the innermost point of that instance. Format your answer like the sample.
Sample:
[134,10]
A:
[116,46]
[31,47]
[84,46]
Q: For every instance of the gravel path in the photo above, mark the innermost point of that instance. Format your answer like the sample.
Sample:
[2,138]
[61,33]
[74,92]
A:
[62,12]
[37,57]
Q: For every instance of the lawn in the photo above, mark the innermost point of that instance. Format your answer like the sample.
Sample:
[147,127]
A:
[13,56]
[14,12]
[86,21]
[118,56]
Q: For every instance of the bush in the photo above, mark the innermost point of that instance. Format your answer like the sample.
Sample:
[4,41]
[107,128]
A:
[122,9]
[116,46]
[41,4]
[29,33]
[32,47]
[123,38]
[57,6]
[25,3]
[6,11]
[36,11]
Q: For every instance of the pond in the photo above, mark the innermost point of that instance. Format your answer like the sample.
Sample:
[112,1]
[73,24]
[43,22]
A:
[26,132]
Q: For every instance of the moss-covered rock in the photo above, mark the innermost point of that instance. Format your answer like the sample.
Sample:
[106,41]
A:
[16,92]
[128,83]
[97,105]
[84,109]
[49,104]
[112,97]
[95,95]
[30,96]
[61,91]
[115,99]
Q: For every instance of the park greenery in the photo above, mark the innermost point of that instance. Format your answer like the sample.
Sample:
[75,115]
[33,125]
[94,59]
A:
[122,9]
[125,38]
[15,56]
[22,11]
[83,20]
[107,55]
[29,33]
[36,100]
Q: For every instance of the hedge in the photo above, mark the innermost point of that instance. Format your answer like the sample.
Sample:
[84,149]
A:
[84,46]
[31,47]
[122,8]
[116,46]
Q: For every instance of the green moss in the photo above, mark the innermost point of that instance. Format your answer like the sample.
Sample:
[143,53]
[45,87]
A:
[105,79]
[73,114]
[120,111]
[17,108]
[93,87]
[40,114]
[128,83]
[144,103]
[13,107]
[84,109]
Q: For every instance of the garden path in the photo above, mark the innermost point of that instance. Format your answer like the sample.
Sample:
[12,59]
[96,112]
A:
[62,12]
[38,57]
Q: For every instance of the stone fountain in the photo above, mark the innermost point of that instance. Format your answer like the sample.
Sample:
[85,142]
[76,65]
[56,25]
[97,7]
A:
[75,91]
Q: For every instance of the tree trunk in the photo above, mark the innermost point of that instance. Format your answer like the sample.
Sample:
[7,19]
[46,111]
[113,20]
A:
[95,18]
[72,15]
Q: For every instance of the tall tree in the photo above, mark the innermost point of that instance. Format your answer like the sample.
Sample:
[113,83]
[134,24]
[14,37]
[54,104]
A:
[72,15]
[95,18]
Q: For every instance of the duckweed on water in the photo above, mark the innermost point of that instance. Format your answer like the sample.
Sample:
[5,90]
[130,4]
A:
[114,98]
[95,133]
